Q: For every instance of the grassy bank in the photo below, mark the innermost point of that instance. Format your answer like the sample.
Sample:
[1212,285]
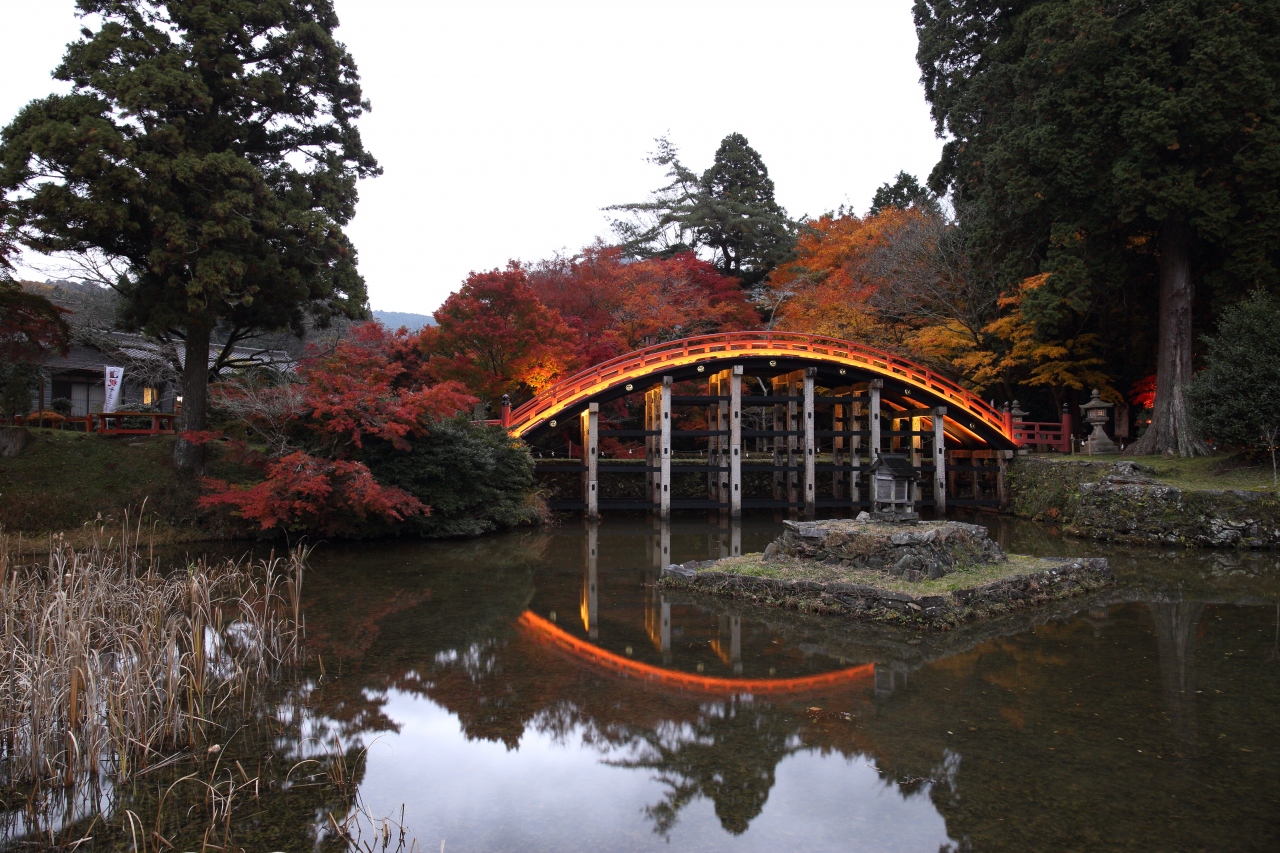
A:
[1225,471]
[1221,502]
[961,577]
[63,480]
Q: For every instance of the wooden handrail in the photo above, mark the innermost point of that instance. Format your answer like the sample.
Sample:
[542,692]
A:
[733,345]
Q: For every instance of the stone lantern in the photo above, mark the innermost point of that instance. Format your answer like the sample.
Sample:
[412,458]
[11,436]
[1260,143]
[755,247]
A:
[891,493]
[1095,414]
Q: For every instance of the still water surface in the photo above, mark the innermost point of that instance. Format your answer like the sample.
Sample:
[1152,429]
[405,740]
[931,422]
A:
[534,692]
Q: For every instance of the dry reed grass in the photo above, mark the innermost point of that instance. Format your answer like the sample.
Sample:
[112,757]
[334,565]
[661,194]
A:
[108,666]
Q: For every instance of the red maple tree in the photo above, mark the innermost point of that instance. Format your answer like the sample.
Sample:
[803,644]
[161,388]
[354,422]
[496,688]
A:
[616,306]
[496,337]
[367,387]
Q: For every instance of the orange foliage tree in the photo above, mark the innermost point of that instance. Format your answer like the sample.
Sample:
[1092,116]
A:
[827,289]
[903,280]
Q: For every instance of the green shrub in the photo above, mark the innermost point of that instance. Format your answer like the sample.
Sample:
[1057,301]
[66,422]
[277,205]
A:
[1235,400]
[475,478]
[18,379]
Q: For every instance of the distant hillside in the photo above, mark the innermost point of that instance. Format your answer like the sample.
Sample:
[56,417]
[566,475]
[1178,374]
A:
[395,319]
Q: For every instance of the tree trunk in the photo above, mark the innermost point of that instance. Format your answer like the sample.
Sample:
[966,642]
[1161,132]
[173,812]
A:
[195,398]
[1171,430]
[12,440]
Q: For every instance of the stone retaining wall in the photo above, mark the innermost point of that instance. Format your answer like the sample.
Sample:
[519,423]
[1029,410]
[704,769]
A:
[1119,501]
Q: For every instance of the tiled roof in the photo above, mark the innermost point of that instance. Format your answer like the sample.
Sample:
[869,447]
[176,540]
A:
[86,356]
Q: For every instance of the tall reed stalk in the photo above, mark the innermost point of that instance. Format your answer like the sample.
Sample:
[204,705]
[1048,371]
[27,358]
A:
[108,665]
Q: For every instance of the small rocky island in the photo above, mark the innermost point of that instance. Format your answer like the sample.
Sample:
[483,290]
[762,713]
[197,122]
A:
[931,573]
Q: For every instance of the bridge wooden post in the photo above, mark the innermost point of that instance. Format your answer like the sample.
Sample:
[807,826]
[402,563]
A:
[837,450]
[856,409]
[917,457]
[665,463]
[778,385]
[810,457]
[939,461]
[735,444]
[651,444]
[873,417]
[722,442]
[713,441]
[792,439]
[590,452]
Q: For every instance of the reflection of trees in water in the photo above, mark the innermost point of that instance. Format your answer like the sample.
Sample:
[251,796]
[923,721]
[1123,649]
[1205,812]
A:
[377,620]
[1175,625]
[1015,709]
[278,802]
[729,755]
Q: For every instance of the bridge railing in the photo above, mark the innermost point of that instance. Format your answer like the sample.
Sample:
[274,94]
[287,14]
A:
[748,344]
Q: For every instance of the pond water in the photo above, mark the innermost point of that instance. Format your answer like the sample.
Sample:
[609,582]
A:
[534,692]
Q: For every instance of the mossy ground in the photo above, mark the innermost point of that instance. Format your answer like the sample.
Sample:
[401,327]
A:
[64,480]
[962,577]
[1224,471]
[1247,471]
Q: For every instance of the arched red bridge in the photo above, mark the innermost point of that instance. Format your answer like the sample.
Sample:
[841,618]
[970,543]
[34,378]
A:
[779,413]
[969,421]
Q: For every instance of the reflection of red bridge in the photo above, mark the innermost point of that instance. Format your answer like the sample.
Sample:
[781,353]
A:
[547,633]
[815,404]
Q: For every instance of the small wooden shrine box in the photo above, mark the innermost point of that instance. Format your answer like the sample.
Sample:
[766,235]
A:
[892,497]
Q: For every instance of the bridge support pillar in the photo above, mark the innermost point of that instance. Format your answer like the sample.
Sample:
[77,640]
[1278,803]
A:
[652,403]
[590,452]
[778,386]
[810,458]
[664,463]
[857,408]
[917,456]
[873,418]
[837,449]
[939,461]
[713,441]
[735,444]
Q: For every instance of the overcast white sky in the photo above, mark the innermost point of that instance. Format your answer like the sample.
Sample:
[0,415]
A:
[504,127]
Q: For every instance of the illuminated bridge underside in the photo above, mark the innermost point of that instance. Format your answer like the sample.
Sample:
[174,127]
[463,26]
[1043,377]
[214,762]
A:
[547,633]
[969,423]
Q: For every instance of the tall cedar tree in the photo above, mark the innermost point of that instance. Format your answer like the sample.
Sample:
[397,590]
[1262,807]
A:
[730,210]
[210,146]
[1090,139]
[736,214]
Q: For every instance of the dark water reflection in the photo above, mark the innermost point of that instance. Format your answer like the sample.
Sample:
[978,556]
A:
[1146,719]
[535,692]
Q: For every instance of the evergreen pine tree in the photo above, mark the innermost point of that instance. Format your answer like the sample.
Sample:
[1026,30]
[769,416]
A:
[730,210]
[208,146]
